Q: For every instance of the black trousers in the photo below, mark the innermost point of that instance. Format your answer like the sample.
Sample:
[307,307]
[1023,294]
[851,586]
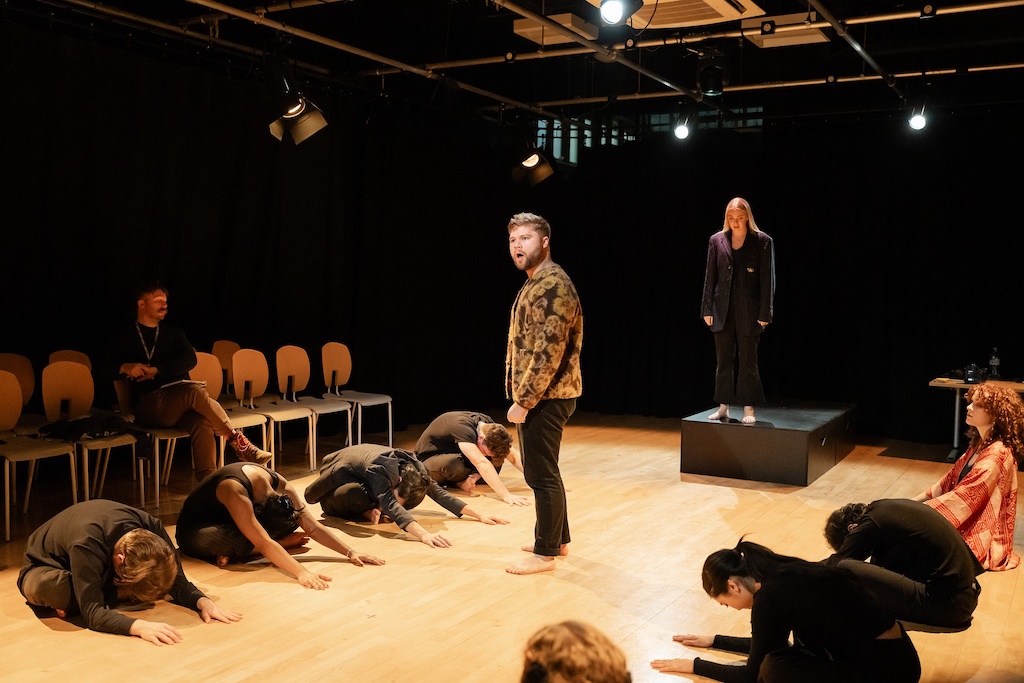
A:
[910,600]
[739,385]
[881,661]
[447,468]
[540,440]
[351,500]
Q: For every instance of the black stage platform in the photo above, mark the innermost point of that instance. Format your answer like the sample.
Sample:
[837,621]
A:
[792,444]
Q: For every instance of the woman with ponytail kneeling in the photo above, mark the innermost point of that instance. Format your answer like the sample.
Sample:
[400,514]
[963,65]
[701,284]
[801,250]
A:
[839,634]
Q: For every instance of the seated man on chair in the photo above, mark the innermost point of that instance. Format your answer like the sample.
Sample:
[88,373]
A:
[921,568]
[157,357]
[462,447]
[99,554]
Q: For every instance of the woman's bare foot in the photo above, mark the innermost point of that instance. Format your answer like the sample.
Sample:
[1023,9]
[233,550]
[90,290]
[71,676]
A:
[721,414]
[372,515]
[222,561]
[562,552]
[294,540]
[534,564]
[748,415]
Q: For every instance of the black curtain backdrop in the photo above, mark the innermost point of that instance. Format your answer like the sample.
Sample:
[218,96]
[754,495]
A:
[897,253]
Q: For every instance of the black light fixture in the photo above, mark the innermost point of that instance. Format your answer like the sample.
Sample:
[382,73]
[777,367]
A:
[927,10]
[616,12]
[296,114]
[712,76]
[532,168]
[917,120]
[767,27]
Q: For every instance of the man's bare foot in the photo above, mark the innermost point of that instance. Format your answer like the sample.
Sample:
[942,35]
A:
[563,551]
[294,540]
[222,561]
[61,613]
[721,414]
[372,515]
[534,564]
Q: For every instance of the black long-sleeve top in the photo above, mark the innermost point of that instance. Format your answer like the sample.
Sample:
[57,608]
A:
[173,355]
[81,539]
[378,468]
[823,608]
[912,539]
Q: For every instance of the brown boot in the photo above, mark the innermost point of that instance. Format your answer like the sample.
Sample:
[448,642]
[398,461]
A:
[247,450]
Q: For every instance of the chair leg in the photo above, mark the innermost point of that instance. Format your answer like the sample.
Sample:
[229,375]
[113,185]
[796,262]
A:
[101,473]
[391,427]
[172,445]
[7,499]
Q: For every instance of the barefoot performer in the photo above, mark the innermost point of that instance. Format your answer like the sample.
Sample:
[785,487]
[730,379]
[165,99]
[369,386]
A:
[242,510]
[542,378]
[369,482]
[95,555]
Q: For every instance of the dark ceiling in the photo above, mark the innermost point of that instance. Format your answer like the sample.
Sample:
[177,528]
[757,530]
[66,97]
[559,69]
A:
[875,58]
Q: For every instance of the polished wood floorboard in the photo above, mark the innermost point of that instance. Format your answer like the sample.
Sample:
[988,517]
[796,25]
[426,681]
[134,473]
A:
[640,532]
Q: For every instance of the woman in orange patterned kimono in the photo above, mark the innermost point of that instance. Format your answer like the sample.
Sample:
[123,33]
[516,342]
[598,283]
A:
[979,494]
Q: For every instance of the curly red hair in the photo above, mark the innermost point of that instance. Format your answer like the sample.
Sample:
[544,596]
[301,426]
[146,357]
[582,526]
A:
[1007,410]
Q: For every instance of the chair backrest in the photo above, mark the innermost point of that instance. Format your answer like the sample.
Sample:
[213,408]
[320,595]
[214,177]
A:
[21,367]
[208,369]
[67,382]
[292,363]
[73,356]
[10,400]
[251,374]
[224,350]
[337,363]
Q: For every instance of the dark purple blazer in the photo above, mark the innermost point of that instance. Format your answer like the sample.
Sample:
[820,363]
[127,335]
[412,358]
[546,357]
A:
[755,287]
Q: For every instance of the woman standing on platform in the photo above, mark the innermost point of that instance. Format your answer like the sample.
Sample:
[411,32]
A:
[979,493]
[738,303]
[839,633]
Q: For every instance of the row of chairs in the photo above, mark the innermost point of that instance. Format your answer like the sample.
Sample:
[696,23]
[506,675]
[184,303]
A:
[248,405]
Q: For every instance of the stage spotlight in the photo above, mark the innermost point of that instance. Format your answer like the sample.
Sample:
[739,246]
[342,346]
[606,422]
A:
[533,168]
[927,10]
[711,79]
[917,120]
[616,12]
[296,114]
[682,128]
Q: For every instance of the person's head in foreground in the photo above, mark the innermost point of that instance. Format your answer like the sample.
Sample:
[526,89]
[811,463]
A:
[573,652]
[732,576]
[145,566]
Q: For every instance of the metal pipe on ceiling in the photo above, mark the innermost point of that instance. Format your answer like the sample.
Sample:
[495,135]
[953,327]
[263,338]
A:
[262,20]
[201,38]
[278,7]
[676,40]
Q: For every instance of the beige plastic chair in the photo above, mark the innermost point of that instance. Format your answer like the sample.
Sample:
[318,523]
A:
[73,356]
[69,383]
[21,367]
[252,376]
[337,362]
[208,369]
[224,350]
[15,448]
[293,377]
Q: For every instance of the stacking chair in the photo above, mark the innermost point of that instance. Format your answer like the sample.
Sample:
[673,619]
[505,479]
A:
[293,377]
[337,361]
[21,367]
[224,350]
[73,356]
[70,383]
[16,448]
[208,369]
[252,375]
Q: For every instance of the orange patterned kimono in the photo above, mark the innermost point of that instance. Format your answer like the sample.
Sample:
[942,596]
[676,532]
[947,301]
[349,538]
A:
[983,505]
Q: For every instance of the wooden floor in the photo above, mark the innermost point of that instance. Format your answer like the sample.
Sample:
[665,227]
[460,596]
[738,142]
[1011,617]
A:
[640,532]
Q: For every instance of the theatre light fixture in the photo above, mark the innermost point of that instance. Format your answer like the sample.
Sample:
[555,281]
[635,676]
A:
[532,168]
[616,12]
[682,128]
[917,121]
[296,114]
